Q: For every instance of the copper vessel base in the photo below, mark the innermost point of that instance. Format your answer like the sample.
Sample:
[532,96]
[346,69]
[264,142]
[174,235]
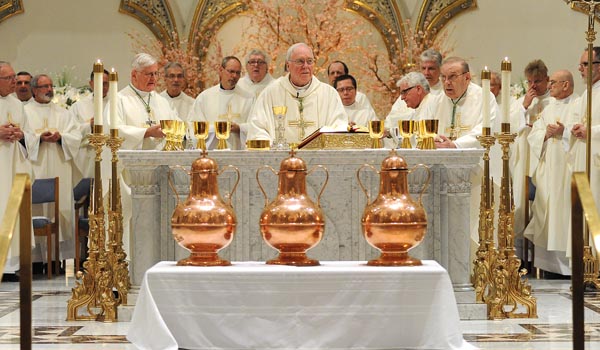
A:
[203,259]
[293,259]
[395,259]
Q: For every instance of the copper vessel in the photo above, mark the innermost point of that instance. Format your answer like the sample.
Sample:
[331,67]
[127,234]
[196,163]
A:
[204,223]
[292,223]
[393,223]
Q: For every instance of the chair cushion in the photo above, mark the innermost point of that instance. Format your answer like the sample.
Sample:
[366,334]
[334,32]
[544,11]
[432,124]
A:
[40,221]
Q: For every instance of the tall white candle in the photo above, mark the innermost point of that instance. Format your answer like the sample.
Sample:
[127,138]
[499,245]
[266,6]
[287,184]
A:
[98,77]
[485,86]
[113,86]
[506,69]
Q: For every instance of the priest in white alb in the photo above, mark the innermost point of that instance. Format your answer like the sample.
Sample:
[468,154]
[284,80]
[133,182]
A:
[359,115]
[140,108]
[12,154]
[257,73]
[225,102]
[51,152]
[83,110]
[551,207]
[310,103]
[176,81]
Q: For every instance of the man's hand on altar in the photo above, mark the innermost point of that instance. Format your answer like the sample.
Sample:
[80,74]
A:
[442,141]
[579,131]
[154,131]
[235,128]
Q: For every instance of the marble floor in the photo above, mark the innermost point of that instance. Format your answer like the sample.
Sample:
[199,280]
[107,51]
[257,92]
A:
[551,330]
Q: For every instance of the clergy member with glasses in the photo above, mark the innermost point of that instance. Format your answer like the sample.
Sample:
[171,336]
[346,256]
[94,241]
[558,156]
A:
[257,75]
[358,114]
[311,104]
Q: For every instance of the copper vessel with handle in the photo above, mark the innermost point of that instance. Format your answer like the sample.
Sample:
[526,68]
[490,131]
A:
[292,223]
[204,223]
[393,223]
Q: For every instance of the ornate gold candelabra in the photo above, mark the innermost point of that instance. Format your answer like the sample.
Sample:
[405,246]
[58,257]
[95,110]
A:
[486,252]
[590,263]
[508,294]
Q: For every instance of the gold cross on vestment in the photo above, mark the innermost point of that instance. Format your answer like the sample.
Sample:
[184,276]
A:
[44,128]
[301,124]
[455,130]
[229,116]
[11,121]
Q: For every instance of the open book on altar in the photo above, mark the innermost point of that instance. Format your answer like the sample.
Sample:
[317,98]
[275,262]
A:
[333,138]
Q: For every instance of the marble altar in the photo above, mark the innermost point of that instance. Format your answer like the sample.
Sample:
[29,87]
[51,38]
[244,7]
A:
[447,202]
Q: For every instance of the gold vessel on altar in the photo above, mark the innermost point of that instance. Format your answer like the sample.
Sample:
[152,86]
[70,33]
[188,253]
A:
[204,223]
[292,223]
[393,223]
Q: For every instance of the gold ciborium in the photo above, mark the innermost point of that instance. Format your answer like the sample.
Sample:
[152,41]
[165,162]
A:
[407,128]
[222,131]
[201,134]
[429,130]
[292,223]
[376,128]
[168,127]
[393,223]
[204,223]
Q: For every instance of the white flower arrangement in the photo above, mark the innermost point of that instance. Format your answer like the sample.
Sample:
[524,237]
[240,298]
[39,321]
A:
[518,89]
[66,95]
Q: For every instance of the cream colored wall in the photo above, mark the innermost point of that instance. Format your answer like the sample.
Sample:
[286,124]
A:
[53,35]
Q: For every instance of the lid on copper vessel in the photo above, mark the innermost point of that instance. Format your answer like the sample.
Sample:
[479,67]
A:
[394,162]
[292,163]
[204,164]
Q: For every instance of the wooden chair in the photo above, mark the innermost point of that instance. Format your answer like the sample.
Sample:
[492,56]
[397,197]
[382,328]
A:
[81,196]
[528,246]
[46,191]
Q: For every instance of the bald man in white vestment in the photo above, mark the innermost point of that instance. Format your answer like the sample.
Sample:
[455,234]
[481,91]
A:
[52,151]
[551,207]
[83,110]
[310,103]
[225,102]
[357,114]
[140,108]
[522,162]
[257,73]
[12,152]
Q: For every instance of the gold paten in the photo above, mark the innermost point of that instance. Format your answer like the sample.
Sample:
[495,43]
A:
[292,223]
[204,223]
[393,223]
[261,145]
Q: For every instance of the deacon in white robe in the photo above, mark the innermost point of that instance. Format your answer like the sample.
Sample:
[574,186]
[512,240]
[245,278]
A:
[83,110]
[23,88]
[51,152]
[551,207]
[338,68]
[12,152]
[522,162]
[310,103]
[257,73]
[176,82]
[430,64]
[225,102]
[358,115]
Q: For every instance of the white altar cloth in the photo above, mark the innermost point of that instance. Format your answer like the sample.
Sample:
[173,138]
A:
[338,305]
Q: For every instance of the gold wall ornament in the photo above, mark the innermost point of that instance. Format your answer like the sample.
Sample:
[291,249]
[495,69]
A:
[292,223]
[509,294]
[156,15]
[435,14]
[9,8]
[393,223]
[205,223]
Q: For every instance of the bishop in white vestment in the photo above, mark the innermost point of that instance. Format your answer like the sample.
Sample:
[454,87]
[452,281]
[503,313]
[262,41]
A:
[52,150]
[310,103]
[551,207]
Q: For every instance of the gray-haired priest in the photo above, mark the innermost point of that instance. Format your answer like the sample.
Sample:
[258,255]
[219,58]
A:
[310,103]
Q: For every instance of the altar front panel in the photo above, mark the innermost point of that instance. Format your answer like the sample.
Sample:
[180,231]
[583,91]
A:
[343,202]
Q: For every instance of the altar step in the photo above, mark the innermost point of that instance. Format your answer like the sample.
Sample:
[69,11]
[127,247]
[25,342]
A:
[468,309]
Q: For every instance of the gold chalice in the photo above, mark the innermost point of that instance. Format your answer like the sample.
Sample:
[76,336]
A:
[222,130]
[407,128]
[279,110]
[430,127]
[168,127]
[179,133]
[201,133]
[376,129]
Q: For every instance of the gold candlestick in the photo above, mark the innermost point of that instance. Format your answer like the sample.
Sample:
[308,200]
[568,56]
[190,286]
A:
[508,292]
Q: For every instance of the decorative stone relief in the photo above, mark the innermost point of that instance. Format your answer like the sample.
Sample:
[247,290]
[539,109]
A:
[9,8]
[435,14]
[155,14]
